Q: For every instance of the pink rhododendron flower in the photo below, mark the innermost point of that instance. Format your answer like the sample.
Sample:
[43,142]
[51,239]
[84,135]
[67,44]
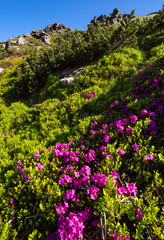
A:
[139,215]
[106,139]
[102,148]
[115,174]
[36,155]
[135,147]
[62,209]
[85,170]
[144,112]
[128,131]
[19,164]
[65,179]
[133,118]
[39,166]
[21,171]
[149,157]
[26,177]
[94,123]
[121,152]
[92,191]
[99,179]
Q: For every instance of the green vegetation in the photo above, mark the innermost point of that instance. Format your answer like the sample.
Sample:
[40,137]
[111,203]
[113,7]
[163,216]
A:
[85,161]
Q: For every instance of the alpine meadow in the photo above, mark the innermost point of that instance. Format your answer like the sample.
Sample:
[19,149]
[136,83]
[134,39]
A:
[82,131]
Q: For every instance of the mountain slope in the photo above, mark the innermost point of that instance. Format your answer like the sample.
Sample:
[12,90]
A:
[85,161]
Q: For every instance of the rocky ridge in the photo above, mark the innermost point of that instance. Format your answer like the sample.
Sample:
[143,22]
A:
[43,37]
[112,18]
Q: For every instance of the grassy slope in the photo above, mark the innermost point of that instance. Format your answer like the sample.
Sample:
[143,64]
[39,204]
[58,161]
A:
[64,114]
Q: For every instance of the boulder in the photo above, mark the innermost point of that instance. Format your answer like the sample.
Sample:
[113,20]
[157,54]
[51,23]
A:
[3,46]
[22,41]
[27,35]
[12,40]
[1,70]
[9,46]
[55,27]
[66,81]
[38,33]
[113,18]
[46,39]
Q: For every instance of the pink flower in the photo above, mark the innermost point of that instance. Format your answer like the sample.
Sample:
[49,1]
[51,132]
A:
[102,148]
[121,190]
[26,177]
[133,118]
[21,171]
[36,155]
[135,147]
[39,166]
[149,157]
[115,174]
[85,170]
[131,188]
[93,192]
[106,139]
[94,123]
[128,131]
[121,152]
[62,209]
[65,179]
[144,112]
[139,215]
[19,164]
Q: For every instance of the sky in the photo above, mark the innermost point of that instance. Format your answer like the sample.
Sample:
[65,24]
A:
[19,17]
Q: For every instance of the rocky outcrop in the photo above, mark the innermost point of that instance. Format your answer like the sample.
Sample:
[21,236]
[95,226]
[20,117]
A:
[22,41]
[54,28]
[3,45]
[1,70]
[113,18]
[46,39]
[38,33]
[70,76]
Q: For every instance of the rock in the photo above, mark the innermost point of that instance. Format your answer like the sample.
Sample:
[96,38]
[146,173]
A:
[38,47]
[27,35]
[50,29]
[1,70]
[66,81]
[70,76]
[9,46]
[22,41]
[3,46]
[115,11]
[38,33]
[113,18]
[12,40]
[78,72]
[46,39]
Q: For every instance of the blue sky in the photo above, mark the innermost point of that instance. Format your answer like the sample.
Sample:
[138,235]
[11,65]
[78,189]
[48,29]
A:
[19,17]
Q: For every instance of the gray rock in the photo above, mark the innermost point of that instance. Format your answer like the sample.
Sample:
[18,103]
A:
[55,27]
[46,39]
[9,46]
[27,35]
[3,46]
[12,40]
[113,18]
[1,70]
[66,81]
[22,41]
[38,33]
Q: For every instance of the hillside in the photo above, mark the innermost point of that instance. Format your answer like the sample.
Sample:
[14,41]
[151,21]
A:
[82,134]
